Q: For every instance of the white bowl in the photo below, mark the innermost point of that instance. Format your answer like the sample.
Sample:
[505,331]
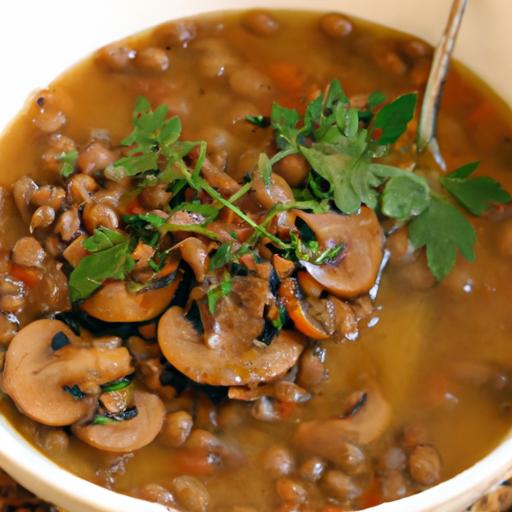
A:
[41,39]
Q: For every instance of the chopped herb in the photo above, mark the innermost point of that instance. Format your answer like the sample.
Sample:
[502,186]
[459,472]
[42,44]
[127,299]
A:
[393,118]
[475,193]
[222,256]
[75,392]
[110,259]
[375,99]
[311,252]
[443,230]
[118,384]
[260,121]
[110,418]
[68,160]
[218,292]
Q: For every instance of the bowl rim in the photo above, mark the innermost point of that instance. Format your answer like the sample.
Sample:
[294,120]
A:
[36,471]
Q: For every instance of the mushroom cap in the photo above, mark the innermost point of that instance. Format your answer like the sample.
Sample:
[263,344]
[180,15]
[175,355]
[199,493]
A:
[356,271]
[227,353]
[34,374]
[114,303]
[128,435]
[325,438]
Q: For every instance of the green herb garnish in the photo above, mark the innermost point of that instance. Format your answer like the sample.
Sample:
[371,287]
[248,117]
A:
[341,145]
[475,193]
[442,230]
[111,418]
[392,119]
[223,289]
[110,259]
[68,160]
[260,121]
[118,384]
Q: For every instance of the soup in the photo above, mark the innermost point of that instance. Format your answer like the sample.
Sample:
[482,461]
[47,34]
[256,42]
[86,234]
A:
[230,283]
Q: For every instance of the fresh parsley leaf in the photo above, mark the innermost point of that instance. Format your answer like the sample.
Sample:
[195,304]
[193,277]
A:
[68,160]
[103,238]
[313,114]
[260,121]
[284,122]
[137,164]
[375,99]
[335,95]
[222,256]
[393,118]
[110,259]
[218,292]
[443,230]
[144,227]
[476,194]
[405,196]
[351,179]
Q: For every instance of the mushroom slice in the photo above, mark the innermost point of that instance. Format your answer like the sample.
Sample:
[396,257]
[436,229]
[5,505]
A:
[114,303]
[367,420]
[35,373]
[195,252]
[228,353]
[356,271]
[127,435]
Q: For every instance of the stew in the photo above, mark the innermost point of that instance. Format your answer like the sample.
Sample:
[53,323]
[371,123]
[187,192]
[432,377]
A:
[228,282]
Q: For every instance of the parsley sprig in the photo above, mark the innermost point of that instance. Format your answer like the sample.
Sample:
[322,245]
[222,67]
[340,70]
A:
[344,147]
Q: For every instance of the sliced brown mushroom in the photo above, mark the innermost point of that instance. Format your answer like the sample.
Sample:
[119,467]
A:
[127,435]
[227,353]
[367,420]
[114,303]
[277,192]
[356,271]
[195,253]
[219,179]
[35,373]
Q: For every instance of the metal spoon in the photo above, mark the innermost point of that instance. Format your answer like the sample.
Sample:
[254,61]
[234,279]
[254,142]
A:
[427,127]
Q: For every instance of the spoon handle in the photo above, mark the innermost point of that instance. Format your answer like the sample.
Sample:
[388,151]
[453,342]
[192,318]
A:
[427,127]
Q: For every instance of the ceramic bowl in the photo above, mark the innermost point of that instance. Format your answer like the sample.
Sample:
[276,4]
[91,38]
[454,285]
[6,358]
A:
[41,39]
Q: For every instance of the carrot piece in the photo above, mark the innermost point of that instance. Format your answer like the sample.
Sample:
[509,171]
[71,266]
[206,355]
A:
[286,409]
[169,267]
[372,495]
[148,331]
[288,293]
[283,267]
[228,216]
[287,76]
[440,389]
[31,277]
[134,207]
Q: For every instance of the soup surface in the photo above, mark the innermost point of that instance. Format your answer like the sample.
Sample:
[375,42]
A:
[212,329]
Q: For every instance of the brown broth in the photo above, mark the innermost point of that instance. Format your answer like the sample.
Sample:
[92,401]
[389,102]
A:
[415,333]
